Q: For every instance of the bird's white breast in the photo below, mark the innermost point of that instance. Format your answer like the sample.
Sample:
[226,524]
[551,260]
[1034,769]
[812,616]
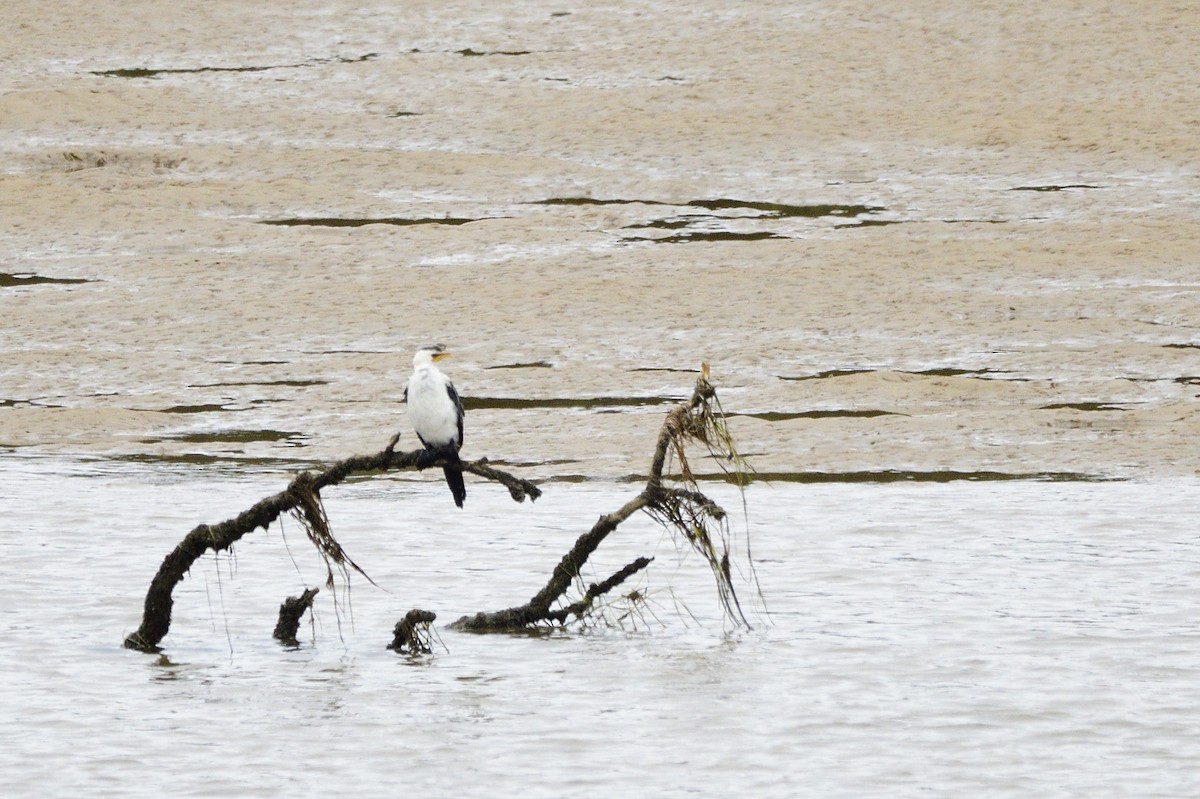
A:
[433,415]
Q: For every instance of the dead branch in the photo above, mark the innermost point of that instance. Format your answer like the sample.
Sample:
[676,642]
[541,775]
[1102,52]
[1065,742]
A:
[156,614]
[538,609]
[289,616]
[411,633]
[686,510]
[596,590]
[680,507]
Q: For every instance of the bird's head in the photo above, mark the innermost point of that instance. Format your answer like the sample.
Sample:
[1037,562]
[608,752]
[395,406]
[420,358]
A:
[429,354]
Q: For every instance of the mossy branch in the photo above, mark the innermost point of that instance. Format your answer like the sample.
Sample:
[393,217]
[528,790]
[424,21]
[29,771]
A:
[289,616]
[411,634]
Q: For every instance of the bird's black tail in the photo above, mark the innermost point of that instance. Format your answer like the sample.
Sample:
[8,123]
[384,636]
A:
[454,479]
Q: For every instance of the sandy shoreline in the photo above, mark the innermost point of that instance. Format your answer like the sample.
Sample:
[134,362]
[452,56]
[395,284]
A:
[955,241]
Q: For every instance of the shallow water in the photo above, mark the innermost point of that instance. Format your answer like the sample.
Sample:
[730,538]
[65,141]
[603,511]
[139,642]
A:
[961,638]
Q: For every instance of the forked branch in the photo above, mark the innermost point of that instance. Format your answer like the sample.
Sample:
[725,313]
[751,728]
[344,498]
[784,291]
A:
[684,509]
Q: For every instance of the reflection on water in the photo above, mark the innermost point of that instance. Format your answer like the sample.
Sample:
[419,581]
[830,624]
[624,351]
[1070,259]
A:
[969,638]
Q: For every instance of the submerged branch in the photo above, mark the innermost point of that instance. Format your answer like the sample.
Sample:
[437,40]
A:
[685,510]
[674,500]
[289,616]
[156,613]
[411,633]
[596,590]
[537,609]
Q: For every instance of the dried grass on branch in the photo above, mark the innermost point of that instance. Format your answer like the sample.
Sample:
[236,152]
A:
[682,509]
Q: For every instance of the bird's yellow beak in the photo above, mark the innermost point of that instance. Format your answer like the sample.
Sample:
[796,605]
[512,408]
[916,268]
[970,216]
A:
[439,355]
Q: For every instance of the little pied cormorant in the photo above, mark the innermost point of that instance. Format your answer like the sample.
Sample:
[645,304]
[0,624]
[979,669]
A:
[436,414]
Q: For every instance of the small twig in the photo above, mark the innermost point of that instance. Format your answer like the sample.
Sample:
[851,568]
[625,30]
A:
[596,590]
[537,609]
[519,489]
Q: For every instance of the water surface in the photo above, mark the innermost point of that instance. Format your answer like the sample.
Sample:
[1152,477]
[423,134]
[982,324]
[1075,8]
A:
[961,638]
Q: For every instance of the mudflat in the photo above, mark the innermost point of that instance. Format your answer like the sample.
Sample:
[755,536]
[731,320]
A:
[910,238]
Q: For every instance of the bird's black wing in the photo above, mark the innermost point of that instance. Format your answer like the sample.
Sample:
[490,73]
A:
[458,406]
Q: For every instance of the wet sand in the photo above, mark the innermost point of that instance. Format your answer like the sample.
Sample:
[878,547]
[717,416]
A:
[909,239]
